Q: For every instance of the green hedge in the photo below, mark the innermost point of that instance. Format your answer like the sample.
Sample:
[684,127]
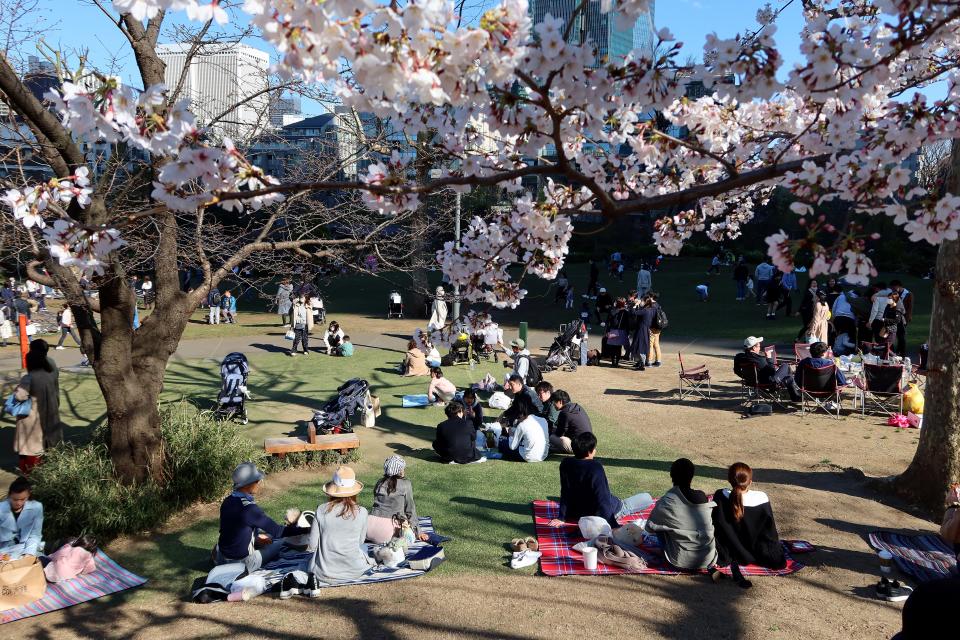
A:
[80,493]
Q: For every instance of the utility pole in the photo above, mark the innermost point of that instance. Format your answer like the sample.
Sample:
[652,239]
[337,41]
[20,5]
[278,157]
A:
[456,236]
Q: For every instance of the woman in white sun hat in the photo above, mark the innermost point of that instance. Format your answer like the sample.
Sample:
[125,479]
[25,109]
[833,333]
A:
[338,533]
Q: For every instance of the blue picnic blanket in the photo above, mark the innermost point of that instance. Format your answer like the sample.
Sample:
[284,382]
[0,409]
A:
[419,400]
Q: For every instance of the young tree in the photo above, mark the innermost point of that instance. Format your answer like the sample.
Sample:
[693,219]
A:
[494,95]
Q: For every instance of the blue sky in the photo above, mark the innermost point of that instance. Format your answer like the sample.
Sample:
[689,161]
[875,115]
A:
[689,20]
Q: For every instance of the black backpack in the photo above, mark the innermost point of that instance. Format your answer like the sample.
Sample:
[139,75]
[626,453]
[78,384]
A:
[660,320]
[534,374]
[217,299]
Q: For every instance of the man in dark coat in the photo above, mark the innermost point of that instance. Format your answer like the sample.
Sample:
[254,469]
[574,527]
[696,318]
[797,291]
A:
[644,312]
[456,438]
[766,372]
[572,420]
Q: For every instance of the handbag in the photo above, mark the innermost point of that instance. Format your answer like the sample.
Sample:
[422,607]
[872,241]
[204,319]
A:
[32,329]
[616,337]
[21,582]
[289,335]
[16,406]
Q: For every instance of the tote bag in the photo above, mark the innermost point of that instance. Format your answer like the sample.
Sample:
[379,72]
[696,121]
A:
[21,582]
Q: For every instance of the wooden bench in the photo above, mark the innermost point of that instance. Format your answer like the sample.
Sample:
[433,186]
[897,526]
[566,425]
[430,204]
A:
[342,442]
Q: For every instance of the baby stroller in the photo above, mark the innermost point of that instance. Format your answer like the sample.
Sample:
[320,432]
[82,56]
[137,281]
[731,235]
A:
[317,309]
[334,416]
[565,350]
[461,350]
[486,341]
[234,371]
[395,305]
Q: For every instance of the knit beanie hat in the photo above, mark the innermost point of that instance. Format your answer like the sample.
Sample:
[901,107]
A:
[394,465]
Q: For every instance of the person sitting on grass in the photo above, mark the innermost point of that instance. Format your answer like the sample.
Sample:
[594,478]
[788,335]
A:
[517,388]
[527,441]
[472,410]
[21,522]
[572,421]
[584,490]
[345,349]
[682,521]
[456,439]
[333,337]
[393,494]
[743,522]
[549,412]
[440,390]
[241,518]
[817,360]
[415,362]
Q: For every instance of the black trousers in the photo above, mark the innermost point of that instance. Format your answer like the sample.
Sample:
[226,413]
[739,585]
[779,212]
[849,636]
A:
[300,336]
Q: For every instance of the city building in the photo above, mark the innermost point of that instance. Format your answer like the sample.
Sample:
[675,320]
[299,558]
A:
[285,110]
[612,41]
[226,85]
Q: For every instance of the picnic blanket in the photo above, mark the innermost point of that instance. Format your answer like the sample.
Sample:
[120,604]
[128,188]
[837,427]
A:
[108,578]
[560,559]
[924,557]
[419,400]
[290,561]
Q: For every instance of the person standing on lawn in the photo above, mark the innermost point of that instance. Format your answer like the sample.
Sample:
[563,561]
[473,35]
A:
[763,274]
[284,301]
[213,301]
[302,321]
[644,313]
[228,307]
[644,280]
[594,276]
[654,354]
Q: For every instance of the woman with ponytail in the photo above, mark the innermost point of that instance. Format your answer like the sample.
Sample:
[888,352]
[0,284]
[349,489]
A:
[745,529]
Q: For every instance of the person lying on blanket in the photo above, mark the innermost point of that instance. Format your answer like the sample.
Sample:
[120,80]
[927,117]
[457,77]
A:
[744,526]
[584,490]
[240,520]
[682,522]
[21,522]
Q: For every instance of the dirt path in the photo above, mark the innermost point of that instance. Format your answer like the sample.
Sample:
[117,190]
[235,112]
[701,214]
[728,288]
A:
[798,461]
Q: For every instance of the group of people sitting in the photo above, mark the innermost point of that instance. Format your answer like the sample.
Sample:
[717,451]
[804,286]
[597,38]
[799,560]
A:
[753,366]
[539,421]
[735,527]
[21,536]
[420,358]
[336,538]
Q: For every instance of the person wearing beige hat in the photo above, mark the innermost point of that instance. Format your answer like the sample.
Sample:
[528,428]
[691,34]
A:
[338,532]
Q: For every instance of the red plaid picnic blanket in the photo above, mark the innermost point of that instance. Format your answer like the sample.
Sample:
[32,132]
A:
[560,559]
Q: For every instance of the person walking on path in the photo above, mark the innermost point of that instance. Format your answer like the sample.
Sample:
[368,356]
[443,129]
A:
[741,273]
[284,301]
[66,327]
[644,280]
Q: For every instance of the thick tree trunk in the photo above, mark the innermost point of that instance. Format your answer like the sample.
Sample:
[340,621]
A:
[936,462]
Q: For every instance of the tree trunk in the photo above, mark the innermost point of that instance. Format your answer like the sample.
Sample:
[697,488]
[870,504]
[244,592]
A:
[936,462]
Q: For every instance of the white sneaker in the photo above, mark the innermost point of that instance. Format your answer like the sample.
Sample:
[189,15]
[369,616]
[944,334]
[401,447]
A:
[61,348]
[523,559]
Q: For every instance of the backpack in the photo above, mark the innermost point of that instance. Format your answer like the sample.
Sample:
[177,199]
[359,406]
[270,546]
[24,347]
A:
[534,374]
[216,299]
[660,320]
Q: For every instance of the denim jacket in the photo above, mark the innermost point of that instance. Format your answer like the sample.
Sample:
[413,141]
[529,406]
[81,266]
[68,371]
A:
[24,535]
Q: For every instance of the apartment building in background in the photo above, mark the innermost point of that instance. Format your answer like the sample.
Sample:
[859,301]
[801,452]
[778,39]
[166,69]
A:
[613,41]
[226,86]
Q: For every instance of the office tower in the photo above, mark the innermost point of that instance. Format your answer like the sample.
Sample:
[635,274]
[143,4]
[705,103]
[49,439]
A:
[225,82]
[612,41]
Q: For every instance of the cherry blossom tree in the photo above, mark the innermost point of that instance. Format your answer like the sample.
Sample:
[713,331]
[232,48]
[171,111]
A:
[493,94]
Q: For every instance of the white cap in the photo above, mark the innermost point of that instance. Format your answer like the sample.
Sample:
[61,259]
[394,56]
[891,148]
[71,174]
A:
[752,341]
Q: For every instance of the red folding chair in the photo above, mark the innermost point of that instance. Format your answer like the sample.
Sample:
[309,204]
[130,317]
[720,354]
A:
[695,381]
[752,390]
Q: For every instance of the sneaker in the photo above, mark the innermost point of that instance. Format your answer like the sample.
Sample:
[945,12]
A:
[60,348]
[898,592]
[311,590]
[289,587]
[656,364]
[524,559]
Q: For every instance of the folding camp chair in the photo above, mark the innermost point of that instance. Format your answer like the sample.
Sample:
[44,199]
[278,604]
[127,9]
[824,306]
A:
[752,390]
[882,387]
[818,387]
[880,349]
[693,381]
[919,368]
[801,351]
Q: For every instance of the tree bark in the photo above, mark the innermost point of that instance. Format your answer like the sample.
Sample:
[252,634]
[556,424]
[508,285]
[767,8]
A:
[936,463]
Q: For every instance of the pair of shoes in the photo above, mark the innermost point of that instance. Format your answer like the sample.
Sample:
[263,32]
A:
[892,590]
[520,545]
[524,559]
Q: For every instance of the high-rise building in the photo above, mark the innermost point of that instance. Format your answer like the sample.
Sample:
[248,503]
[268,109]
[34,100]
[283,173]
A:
[226,82]
[283,106]
[611,41]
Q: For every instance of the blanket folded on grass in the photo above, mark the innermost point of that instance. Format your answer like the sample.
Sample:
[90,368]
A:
[560,559]
[416,401]
[922,557]
[290,561]
[108,578]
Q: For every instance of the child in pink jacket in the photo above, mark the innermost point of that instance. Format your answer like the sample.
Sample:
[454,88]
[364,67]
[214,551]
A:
[72,559]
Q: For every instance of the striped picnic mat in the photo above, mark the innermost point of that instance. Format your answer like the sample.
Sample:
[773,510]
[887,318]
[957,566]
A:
[560,559]
[108,578]
[297,561]
[924,557]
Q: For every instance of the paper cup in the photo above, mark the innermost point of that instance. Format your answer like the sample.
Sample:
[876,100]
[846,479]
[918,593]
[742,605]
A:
[886,562]
[590,558]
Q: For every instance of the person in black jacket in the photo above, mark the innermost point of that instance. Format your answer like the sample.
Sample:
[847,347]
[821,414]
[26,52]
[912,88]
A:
[456,438]
[766,372]
[572,420]
[516,387]
[472,410]
[744,526]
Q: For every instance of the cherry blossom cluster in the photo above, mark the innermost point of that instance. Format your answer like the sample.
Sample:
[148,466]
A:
[196,10]
[389,173]
[30,203]
[74,246]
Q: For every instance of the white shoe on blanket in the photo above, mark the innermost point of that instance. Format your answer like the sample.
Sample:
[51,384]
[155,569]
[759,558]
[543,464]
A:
[523,559]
